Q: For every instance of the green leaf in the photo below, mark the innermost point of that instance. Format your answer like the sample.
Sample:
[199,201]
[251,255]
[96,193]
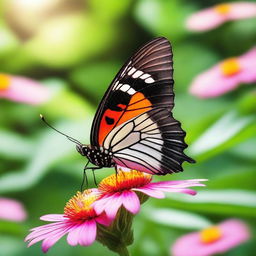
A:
[176,218]
[162,17]
[51,148]
[231,202]
[223,134]
[84,77]
[225,196]
[246,149]
[15,146]
[11,246]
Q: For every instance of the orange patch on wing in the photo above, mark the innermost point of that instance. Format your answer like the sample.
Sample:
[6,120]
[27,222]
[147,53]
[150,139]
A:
[139,105]
[105,128]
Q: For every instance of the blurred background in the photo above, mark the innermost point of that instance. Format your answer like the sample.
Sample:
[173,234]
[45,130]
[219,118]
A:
[71,50]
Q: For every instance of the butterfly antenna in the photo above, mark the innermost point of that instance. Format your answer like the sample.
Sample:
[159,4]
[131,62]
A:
[70,138]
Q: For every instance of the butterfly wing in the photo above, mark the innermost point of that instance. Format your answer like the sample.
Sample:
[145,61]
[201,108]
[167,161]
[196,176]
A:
[134,119]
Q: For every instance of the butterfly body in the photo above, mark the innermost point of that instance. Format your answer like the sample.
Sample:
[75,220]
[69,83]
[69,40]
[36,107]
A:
[134,126]
[96,155]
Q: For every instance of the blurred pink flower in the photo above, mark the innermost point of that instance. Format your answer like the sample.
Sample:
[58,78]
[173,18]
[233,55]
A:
[212,240]
[12,210]
[119,189]
[212,17]
[79,221]
[225,76]
[22,89]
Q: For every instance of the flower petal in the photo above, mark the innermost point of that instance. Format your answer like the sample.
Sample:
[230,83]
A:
[47,234]
[73,236]
[151,192]
[87,233]
[26,90]
[100,204]
[12,210]
[53,217]
[204,20]
[104,220]
[177,183]
[234,232]
[113,205]
[51,240]
[45,229]
[131,201]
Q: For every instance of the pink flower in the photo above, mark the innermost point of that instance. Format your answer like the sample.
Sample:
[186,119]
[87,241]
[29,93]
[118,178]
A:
[22,89]
[12,210]
[119,189]
[225,76]
[79,221]
[213,240]
[213,17]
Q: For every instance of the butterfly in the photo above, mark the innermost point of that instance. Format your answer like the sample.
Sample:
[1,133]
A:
[134,126]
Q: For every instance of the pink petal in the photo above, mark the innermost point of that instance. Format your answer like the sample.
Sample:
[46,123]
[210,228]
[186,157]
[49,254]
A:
[184,191]
[53,217]
[151,192]
[176,184]
[50,226]
[131,201]
[248,62]
[113,205]
[100,204]
[73,235]
[51,240]
[242,10]
[104,220]
[205,20]
[41,234]
[234,232]
[109,204]
[174,189]
[87,233]
[26,90]
[213,83]
[12,210]
[209,18]
[229,228]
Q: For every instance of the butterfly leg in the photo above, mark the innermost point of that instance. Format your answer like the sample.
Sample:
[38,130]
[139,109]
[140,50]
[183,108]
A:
[85,178]
[116,171]
[94,177]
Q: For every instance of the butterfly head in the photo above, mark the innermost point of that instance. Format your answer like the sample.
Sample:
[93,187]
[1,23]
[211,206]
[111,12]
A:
[82,149]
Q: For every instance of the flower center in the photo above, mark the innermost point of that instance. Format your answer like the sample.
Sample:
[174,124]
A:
[4,82]
[222,9]
[79,207]
[230,67]
[210,234]
[124,180]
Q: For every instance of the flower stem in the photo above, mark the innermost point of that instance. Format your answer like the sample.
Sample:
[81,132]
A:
[123,251]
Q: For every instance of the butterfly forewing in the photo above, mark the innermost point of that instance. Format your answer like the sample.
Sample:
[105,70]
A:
[134,120]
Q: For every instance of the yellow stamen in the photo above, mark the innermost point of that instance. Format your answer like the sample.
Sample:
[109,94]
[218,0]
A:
[5,82]
[79,207]
[230,67]
[210,234]
[222,9]
[124,180]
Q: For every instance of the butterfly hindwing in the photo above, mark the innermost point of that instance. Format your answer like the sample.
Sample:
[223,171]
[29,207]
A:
[134,119]
[151,142]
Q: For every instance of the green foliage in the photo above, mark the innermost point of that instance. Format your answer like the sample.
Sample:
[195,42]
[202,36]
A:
[76,53]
